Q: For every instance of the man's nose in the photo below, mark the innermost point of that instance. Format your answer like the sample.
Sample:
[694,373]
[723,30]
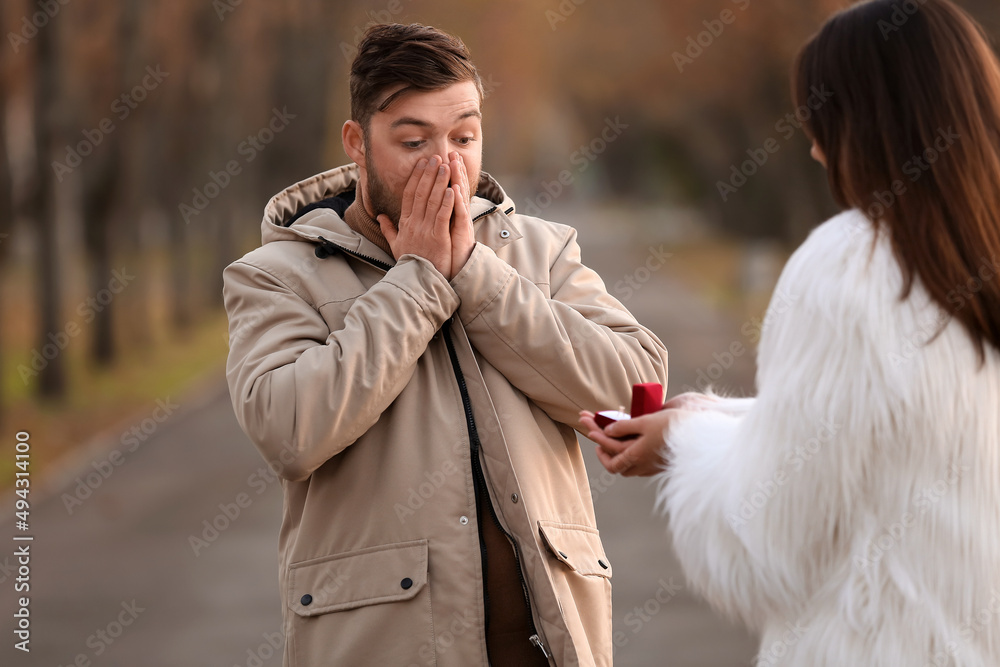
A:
[439,148]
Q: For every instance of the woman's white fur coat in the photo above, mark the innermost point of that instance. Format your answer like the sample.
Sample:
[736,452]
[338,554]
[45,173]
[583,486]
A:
[851,511]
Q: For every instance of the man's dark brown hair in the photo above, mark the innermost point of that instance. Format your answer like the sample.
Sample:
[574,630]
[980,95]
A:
[418,57]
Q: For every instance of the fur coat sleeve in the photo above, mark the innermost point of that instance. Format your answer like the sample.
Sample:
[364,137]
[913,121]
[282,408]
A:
[850,512]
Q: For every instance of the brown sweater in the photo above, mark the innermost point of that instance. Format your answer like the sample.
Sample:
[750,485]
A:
[357,218]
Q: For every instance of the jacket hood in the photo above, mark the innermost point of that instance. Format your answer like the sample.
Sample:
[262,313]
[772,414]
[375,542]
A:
[315,207]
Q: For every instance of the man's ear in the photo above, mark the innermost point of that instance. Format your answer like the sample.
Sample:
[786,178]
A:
[354,142]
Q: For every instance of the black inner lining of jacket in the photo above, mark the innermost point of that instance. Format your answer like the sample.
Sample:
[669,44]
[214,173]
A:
[338,203]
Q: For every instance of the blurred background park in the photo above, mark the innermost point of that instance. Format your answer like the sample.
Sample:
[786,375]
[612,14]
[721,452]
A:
[141,139]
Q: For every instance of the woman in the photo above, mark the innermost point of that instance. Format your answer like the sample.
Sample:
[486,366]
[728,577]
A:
[851,511]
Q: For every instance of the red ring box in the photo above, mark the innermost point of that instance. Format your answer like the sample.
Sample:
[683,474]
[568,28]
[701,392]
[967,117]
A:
[646,397]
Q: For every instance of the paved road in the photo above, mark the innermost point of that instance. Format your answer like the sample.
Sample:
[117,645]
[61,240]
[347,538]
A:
[683,632]
[117,581]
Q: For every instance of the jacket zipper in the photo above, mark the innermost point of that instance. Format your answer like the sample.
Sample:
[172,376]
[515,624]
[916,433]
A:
[479,482]
[327,249]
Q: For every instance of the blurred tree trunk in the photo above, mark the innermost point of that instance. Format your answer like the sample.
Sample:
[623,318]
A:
[167,165]
[217,234]
[182,312]
[6,194]
[52,377]
[193,144]
[101,186]
[135,314]
[100,181]
[298,151]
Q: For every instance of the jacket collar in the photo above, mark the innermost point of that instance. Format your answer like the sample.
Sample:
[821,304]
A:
[284,220]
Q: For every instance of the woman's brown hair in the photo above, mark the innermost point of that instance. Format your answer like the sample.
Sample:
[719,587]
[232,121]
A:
[911,134]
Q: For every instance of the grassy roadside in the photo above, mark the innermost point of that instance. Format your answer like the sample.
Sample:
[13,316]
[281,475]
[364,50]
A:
[98,399]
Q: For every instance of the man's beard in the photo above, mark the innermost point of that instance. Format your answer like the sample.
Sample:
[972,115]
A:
[382,201]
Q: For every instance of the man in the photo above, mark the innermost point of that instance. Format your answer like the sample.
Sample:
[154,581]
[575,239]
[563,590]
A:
[411,355]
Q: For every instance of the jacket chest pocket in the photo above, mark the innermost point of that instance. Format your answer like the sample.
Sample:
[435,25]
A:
[365,607]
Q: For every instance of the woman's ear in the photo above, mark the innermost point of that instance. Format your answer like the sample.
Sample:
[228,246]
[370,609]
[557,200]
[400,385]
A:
[353,136]
[817,154]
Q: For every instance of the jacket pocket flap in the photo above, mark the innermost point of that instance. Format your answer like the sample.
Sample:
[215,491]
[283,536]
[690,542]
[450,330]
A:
[387,573]
[578,547]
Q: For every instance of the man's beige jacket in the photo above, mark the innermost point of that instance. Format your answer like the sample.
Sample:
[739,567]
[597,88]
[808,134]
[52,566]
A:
[378,390]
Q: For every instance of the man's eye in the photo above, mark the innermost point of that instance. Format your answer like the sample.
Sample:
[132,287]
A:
[465,141]
[413,144]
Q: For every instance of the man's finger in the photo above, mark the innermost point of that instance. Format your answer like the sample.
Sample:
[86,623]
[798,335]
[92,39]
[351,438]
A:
[458,177]
[423,192]
[443,217]
[462,174]
[388,229]
[438,195]
[411,186]
[462,215]
[467,188]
